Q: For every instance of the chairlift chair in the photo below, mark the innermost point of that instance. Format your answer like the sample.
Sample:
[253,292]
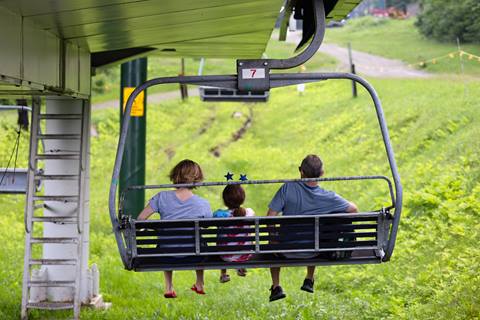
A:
[341,238]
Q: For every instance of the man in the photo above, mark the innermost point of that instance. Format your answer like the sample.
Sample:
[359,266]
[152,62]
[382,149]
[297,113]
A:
[304,198]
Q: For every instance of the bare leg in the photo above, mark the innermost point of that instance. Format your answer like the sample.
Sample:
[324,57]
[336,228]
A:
[199,282]
[168,281]
[223,272]
[310,272]
[275,272]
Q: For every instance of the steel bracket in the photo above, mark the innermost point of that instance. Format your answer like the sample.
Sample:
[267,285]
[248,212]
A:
[253,75]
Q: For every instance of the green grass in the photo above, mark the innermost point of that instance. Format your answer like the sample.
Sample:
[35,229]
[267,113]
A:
[400,39]
[433,274]
[164,67]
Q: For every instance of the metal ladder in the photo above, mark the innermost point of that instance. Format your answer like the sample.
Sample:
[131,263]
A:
[35,201]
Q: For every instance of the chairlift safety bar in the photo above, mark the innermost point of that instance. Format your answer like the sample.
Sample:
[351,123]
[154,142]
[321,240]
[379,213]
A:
[271,181]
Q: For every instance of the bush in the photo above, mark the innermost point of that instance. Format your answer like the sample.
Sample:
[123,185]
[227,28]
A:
[447,20]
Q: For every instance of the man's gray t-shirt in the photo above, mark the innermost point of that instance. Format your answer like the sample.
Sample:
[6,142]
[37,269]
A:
[171,208]
[297,198]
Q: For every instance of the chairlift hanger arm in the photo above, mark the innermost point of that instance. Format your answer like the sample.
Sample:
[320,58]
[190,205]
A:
[309,51]
[254,74]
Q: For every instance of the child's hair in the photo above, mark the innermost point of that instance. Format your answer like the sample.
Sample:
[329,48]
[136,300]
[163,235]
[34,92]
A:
[233,197]
[186,171]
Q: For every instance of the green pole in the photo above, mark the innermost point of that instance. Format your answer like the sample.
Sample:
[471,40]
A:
[134,73]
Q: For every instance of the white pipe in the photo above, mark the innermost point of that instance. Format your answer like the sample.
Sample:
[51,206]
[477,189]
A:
[15,108]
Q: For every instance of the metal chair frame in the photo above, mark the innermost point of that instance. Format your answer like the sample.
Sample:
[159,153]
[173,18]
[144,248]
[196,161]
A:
[124,227]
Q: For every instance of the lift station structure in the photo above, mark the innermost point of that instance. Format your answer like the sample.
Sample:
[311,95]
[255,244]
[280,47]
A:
[48,53]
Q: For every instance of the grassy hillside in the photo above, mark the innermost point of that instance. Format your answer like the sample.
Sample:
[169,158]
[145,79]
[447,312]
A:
[400,39]
[107,80]
[433,274]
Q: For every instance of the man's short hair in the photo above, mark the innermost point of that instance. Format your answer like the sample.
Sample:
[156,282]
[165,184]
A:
[312,166]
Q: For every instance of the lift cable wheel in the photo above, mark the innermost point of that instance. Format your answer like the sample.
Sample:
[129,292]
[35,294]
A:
[367,237]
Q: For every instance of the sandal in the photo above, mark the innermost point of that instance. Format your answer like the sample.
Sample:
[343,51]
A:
[194,288]
[224,278]
[170,295]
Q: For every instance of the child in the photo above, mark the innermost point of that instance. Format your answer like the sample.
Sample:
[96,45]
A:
[180,204]
[233,197]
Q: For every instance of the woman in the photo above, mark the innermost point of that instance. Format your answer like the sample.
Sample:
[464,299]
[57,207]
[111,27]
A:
[180,204]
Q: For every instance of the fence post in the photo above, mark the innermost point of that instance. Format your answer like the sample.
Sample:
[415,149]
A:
[352,70]
[183,86]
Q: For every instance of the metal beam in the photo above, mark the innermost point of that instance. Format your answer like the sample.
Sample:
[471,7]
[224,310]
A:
[35,60]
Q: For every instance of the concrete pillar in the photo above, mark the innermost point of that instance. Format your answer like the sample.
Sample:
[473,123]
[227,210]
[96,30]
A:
[66,187]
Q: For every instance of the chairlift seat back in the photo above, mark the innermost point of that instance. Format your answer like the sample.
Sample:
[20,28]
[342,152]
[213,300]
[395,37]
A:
[363,236]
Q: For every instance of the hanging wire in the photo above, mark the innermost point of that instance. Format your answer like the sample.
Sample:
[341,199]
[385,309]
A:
[19,133]
[14,152]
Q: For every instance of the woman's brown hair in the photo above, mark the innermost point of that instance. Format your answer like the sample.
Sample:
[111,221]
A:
[186,171]
[233,197]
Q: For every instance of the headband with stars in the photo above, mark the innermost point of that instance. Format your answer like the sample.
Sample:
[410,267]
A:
[229,176]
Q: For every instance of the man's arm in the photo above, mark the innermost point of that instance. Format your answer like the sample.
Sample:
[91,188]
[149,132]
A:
[352,207]
[271,212]
[146,213]
[273,232]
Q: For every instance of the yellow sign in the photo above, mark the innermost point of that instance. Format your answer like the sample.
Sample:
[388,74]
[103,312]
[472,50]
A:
[138,104]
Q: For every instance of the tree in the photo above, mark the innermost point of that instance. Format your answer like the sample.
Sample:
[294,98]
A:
[447,20]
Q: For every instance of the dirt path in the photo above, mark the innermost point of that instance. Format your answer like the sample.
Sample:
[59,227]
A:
[365,63]
[237,135]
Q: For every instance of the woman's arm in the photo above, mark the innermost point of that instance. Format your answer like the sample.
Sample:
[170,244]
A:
[146,213]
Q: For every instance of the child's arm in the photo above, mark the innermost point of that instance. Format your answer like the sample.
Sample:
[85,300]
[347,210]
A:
[146,213]
[221,213]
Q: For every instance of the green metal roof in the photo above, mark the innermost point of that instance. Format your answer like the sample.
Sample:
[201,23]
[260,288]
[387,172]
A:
[208,28]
